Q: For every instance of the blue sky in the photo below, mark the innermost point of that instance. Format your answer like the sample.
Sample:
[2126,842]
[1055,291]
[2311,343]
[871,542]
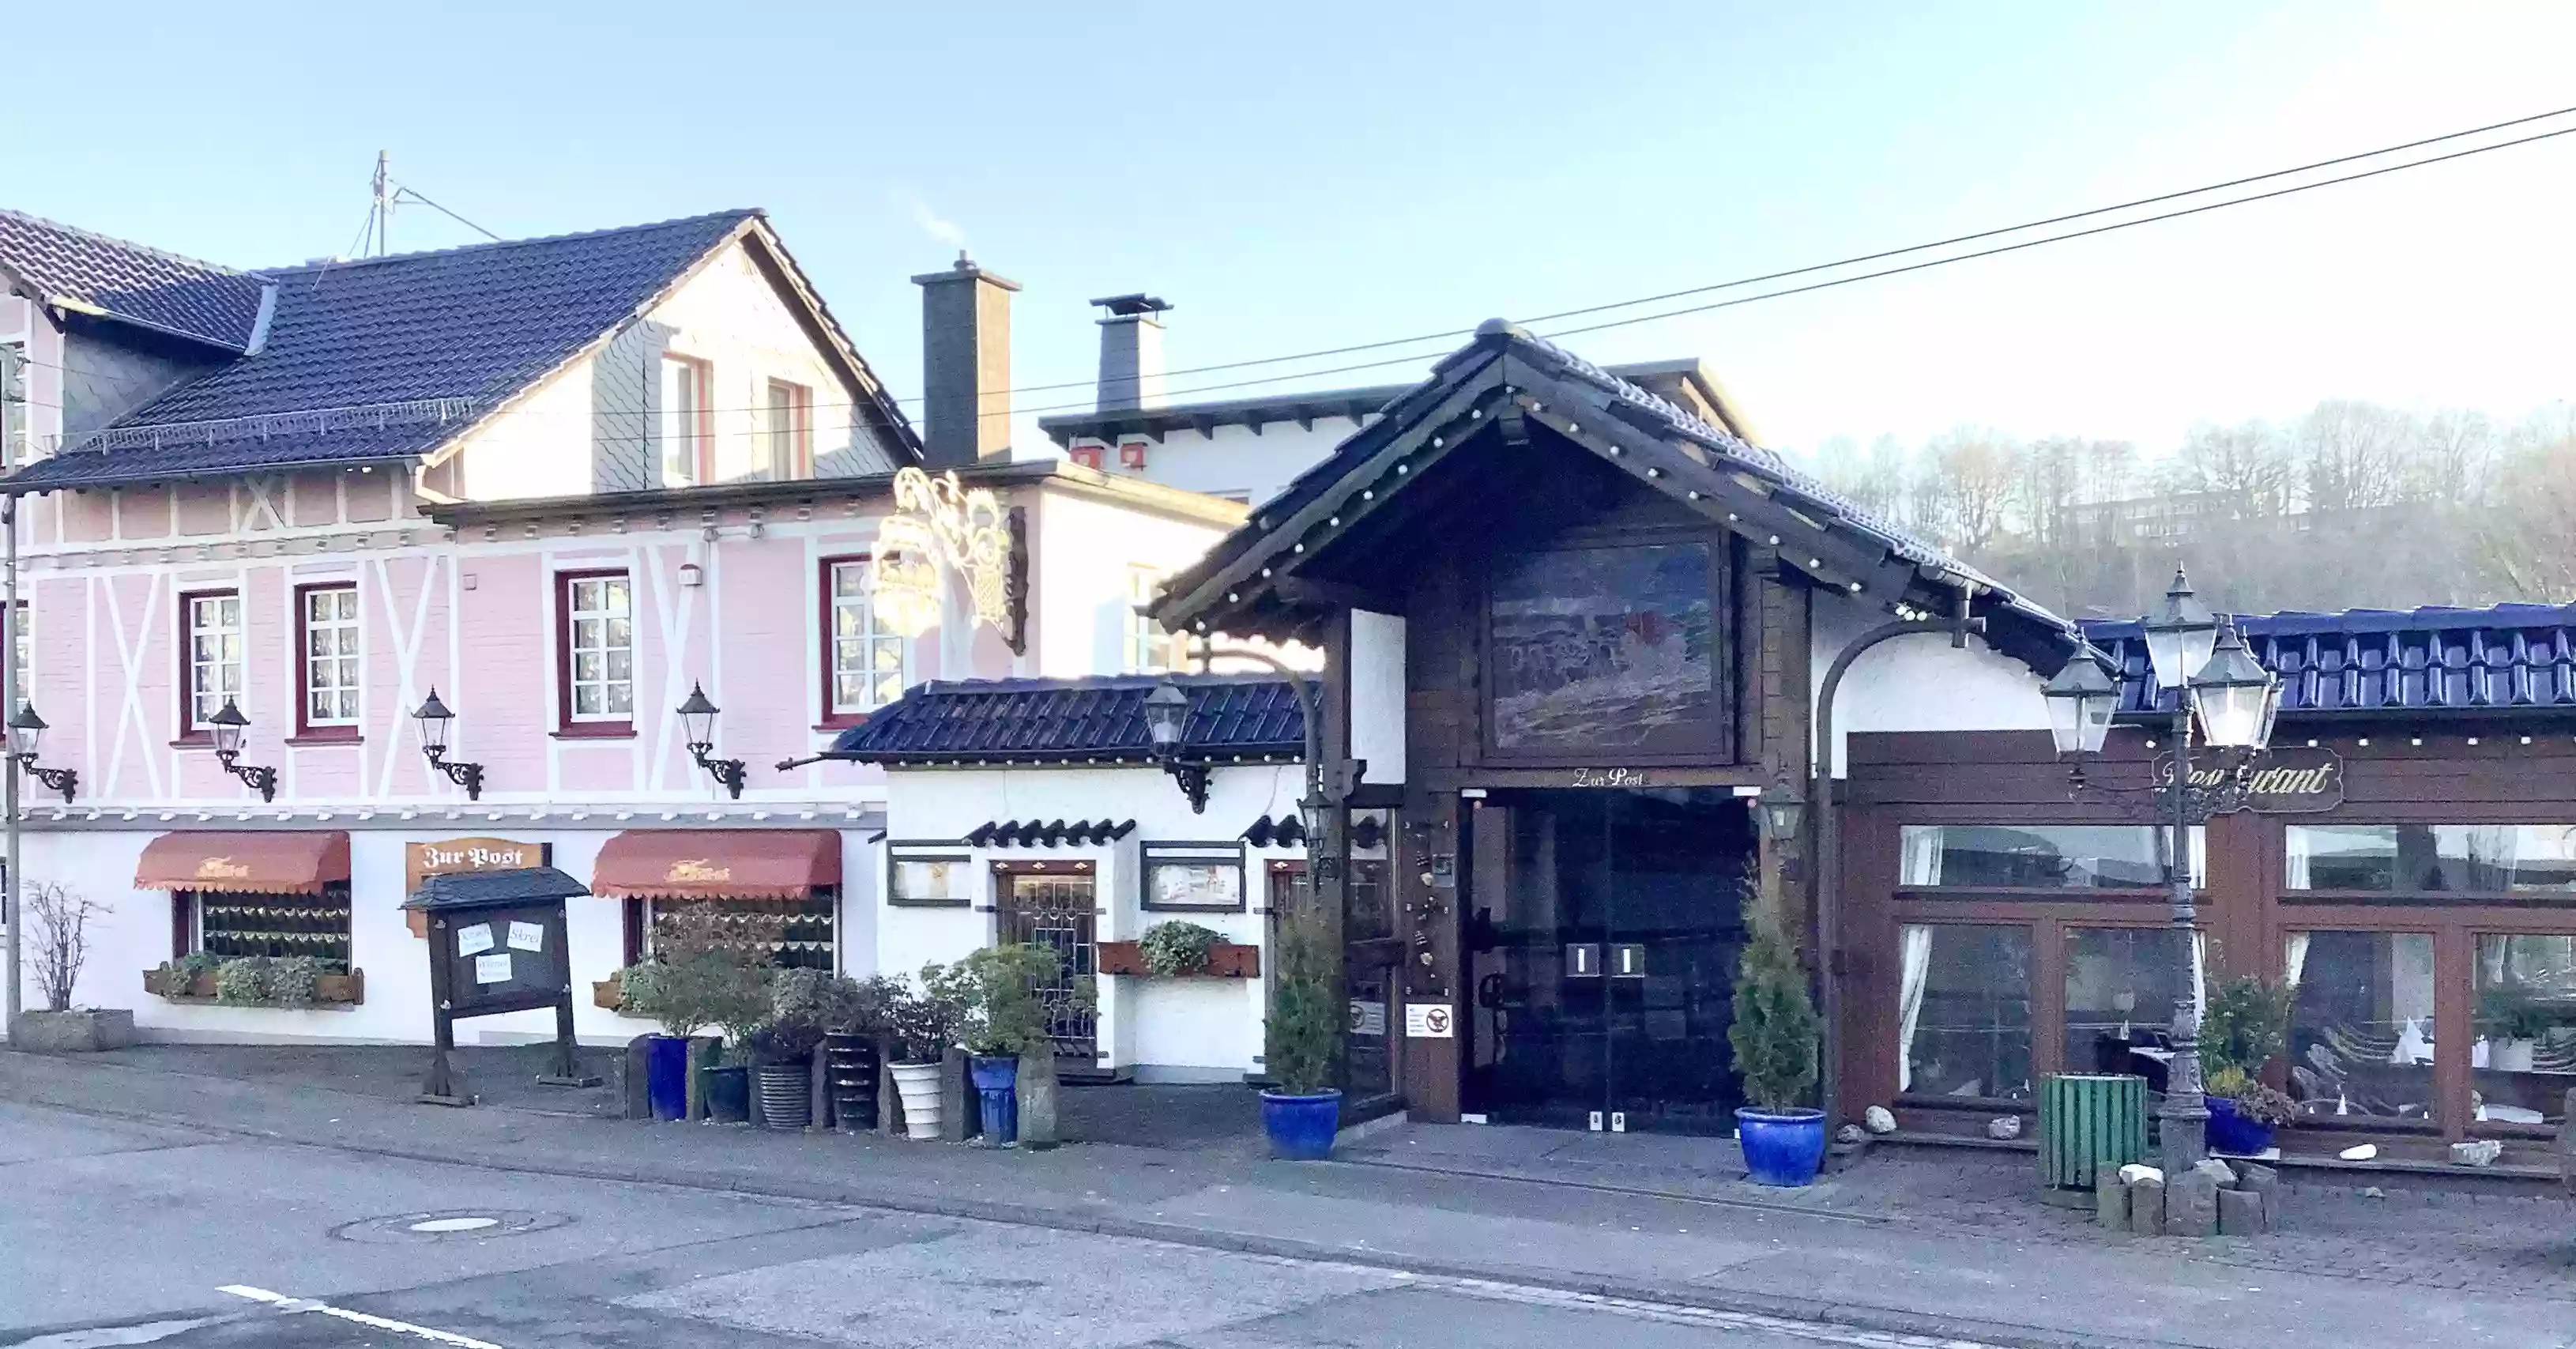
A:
[1306,175]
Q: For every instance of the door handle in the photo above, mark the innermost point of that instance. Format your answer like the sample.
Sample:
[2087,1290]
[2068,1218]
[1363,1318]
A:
[1583,960]
[1628,960]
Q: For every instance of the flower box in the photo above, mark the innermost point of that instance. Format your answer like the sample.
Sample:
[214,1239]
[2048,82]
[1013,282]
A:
[609,992]
[330,990]
[1226,960]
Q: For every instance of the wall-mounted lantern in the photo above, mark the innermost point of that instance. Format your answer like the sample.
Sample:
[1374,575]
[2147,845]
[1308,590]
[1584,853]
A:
[1167,713]
[432,719]
[1782,812]
[25,729]
[698,721]
[228,725]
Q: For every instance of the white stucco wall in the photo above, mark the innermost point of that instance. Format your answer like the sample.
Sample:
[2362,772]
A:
[1080,560]
[1169,1030]
[1233,461]
[133,935]
[538,446]
[1918,683]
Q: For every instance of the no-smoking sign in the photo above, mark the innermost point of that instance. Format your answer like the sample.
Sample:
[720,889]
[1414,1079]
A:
[1429,1021]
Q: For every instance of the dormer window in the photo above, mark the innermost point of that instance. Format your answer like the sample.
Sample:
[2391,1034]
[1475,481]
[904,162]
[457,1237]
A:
[682,423]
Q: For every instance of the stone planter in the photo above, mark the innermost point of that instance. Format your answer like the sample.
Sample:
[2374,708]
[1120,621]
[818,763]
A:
[83,1031]
[1226,960]
[331,990]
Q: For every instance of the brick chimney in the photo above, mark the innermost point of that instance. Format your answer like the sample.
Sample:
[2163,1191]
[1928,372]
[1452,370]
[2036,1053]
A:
[1131,352]
[965,365]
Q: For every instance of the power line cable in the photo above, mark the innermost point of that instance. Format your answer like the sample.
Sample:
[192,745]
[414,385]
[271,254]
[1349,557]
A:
[401,191]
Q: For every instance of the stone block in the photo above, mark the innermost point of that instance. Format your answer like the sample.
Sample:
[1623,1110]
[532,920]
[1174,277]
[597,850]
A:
[85,1031]
[2134,1172]
[2257,1178]
[2220,1173]
[705,1051]
[2004,1127]
[2476,1152]
[2240,1214]
[639,1101]
[2110,1200]
[1851,1135]
[1037,1093]
[2191,1205]
[958,1103]
[1881,1120]
[2147,1208]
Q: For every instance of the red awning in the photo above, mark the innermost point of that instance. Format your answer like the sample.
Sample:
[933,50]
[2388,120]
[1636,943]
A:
[717,863]
[260,864]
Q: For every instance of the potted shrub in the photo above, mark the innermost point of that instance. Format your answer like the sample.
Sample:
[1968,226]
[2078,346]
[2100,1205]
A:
[739,1000]
[662,992]
[1302,1110]
[57,918]
[2244,1026]
[2514,1016]
[1774,1038]
[1176,949]
[782,1049]
[697,977]
[921,1027]
[1000,989]
[857,1017]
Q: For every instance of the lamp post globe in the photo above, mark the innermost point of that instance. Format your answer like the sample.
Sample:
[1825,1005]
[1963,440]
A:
[2181,636]
[2234,697]
[2081,699]
[26,731]
[228,725]
[698,718]
[433,719]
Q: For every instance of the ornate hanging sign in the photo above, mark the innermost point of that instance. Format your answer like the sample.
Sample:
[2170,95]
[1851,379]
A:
[940,525]
[2278,782]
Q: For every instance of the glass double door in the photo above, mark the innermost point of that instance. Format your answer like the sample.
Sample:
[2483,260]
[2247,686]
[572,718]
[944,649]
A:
[1602,935]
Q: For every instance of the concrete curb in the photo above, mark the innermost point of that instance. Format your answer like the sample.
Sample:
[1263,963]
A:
[1855,1316]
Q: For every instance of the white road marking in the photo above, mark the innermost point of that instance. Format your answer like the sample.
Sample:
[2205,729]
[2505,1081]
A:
[296,1304]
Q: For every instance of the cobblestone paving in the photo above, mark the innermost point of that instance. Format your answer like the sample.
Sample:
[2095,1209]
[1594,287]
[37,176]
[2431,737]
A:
[2426,1236]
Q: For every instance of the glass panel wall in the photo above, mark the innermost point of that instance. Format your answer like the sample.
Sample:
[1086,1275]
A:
[2433,859]
[2524,1061]
[1963,1019]
[2042,856]
[2361,1034]
[2121,985]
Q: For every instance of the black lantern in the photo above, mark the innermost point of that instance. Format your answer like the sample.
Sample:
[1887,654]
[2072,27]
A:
[2235,696]
[228,724]
[26,729]
[433,719]
[1782,811]
[1167,713]
[698,723]
[2081,698]
[2179,639]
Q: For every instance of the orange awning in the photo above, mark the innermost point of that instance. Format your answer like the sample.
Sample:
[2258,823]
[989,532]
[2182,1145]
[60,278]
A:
[717,863]
[261,864]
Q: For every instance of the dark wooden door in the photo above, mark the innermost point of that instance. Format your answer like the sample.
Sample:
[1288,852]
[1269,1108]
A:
[1056,910]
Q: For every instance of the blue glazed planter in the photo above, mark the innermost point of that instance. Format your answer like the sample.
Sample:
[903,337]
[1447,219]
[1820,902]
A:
[727,1092]
[1301,1128]
[1781,1149]
[996,1078]
[666,1077]
[2232,1133]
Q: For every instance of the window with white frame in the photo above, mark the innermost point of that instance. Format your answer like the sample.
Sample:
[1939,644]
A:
[212,674]
[599,641]
[870,663]
[786,428]
[330,618]
[1147,648]
[683,420]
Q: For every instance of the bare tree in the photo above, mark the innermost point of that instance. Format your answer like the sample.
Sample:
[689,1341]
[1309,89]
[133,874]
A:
[2351,454]
[58,920]
[2526,540]
[2452,458]
[2245,469]
[1974,474]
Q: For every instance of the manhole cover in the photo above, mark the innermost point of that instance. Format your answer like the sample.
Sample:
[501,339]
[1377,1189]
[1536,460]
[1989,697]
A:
[474,1224]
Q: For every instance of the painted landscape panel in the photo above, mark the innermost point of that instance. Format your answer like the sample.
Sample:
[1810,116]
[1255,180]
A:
[1601,648]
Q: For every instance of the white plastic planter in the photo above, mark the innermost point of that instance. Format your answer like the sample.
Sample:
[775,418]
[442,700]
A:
[918,1086]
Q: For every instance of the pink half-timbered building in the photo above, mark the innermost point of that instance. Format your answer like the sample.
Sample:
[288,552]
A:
[563,483]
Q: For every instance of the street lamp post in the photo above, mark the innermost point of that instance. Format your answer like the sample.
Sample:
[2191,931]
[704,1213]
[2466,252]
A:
[2215,681]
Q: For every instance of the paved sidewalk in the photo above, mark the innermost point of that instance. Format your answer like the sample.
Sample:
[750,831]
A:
[1893,1245]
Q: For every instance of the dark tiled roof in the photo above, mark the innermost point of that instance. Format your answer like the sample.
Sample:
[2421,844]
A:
[470,889]
[1032,833]
[1568,380]
[1054,720]
[1288,831]
[142,286]
[2506,660]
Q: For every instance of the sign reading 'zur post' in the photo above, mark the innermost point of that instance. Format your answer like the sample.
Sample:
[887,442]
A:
[424,860]
[2281,782]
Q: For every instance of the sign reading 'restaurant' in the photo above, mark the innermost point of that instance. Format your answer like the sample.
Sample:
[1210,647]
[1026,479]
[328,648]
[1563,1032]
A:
[2279,782]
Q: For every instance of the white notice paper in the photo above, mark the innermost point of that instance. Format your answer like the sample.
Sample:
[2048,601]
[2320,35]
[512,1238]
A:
[492,969]
[474,940]
[1429,1021]
[527,936]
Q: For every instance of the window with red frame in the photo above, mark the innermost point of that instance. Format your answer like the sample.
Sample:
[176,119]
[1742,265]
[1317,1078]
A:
[327,618]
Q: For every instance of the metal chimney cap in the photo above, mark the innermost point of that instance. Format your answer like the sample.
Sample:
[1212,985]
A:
[1137,303]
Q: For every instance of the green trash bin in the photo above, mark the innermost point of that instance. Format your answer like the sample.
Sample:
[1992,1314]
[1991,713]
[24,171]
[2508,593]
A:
[2088,1122]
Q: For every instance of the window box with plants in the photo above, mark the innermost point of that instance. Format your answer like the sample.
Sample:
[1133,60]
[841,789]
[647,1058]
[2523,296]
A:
[1181,950]
[285,982]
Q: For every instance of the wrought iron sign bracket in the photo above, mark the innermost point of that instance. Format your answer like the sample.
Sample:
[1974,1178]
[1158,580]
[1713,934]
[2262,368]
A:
[63,780]
[1193,775]
[728,773]
[259,778]
[466,775]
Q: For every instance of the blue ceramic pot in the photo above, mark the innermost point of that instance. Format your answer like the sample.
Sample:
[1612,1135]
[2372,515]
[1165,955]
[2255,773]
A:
[1301,1128]
[1785,1148]
[997,1078]
[666,1076]
[2232,1133]
[728,1094]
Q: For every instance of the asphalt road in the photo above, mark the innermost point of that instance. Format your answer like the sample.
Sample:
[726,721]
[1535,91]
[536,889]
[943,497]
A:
[117,1234]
